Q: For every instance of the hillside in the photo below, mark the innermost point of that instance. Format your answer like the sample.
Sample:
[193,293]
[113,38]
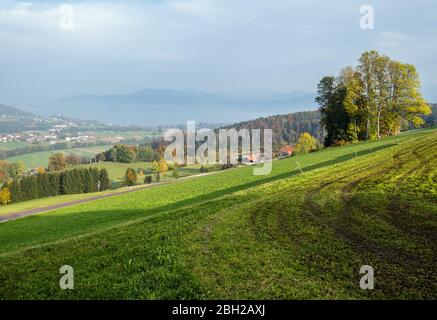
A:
[287,127]
[11,112]
[15,120]
[238,236]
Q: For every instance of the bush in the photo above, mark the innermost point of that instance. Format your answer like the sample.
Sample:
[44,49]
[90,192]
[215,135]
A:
[148,179]
[5,196]
[130,177]
[340,143]
[307,143]
[175,173]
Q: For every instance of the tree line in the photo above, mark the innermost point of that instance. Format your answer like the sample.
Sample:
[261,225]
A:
[287,128]
[47,184]
[377,98]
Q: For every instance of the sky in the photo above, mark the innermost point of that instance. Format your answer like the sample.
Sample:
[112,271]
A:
[210,45]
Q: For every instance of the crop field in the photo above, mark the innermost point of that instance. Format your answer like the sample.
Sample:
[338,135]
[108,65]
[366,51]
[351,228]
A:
[233,235]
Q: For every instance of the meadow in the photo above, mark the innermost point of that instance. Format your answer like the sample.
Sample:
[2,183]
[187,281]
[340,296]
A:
[239,236]
[4,146]
[41,159]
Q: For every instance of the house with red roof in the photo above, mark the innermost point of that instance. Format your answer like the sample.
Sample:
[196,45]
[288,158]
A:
[286,151]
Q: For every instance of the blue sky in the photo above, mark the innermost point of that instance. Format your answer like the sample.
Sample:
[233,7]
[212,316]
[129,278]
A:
[211,45]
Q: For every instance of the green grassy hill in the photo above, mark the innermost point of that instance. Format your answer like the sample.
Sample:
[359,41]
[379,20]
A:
[235,235]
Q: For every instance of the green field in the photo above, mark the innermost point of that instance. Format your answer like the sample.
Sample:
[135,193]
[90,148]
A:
[41,159]
[117,170]
[5,146]
[44,202]
[239,236]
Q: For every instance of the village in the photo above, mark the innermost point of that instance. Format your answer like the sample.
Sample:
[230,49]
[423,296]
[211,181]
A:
[53,136]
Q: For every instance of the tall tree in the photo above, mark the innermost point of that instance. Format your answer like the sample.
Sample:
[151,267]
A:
[330,97]
[104,180]
[354,103]
[130,177]
[57,162]
[366,69]
[382,89]
[372,100]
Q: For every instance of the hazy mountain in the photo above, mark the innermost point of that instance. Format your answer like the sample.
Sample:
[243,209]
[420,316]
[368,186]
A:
[166,106]
[12,112]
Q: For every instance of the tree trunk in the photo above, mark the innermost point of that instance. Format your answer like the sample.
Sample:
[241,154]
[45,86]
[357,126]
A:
[367,127]
[377,124]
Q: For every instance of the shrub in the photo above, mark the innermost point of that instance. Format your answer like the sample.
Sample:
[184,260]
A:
[130,177]
[307,143]
[340,143]
[175,172]
[148,179]
[163,167]
[5,196]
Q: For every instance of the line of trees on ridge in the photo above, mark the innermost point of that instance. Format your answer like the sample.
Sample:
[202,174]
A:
[377,98]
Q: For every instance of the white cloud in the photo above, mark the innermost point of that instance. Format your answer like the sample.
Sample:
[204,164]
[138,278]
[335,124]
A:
[215,45]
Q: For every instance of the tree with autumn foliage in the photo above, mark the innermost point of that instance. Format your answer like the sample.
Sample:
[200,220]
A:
[307,143]
[5,196]
[373,100]
[130,177]
[57,162]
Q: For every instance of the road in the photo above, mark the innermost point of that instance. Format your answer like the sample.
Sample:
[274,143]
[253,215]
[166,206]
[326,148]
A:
[28,212]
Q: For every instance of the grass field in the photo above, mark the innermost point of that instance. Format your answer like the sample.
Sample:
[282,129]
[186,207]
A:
[41,159]
[117,170]
[5,146]
[44,202]
[235,235]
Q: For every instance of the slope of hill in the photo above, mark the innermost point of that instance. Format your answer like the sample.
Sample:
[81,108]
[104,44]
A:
[152,107]
[15,120]
[238,236]
[287,127]
[13,113]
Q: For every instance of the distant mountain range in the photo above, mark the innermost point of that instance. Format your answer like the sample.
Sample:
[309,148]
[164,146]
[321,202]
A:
[12,112]
[166,106]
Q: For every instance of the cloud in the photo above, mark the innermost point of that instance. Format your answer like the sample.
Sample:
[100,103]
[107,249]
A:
[215,45]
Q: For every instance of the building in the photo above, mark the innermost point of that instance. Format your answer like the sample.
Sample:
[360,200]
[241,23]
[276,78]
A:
[286,151]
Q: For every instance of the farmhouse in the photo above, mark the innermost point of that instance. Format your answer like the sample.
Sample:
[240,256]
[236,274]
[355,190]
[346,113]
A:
[285,151]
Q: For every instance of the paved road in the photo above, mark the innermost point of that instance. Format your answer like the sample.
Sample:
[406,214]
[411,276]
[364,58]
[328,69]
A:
[24,213]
